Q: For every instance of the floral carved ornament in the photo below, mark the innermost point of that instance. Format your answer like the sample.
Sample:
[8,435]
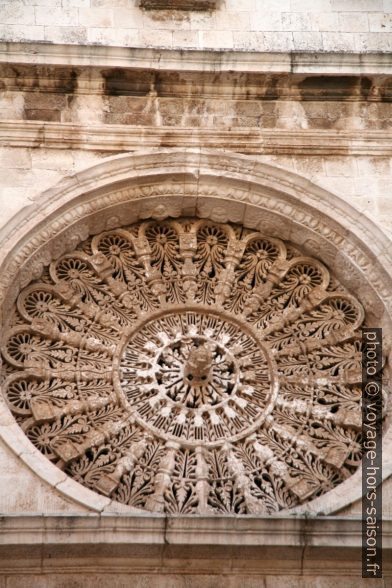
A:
[190,367]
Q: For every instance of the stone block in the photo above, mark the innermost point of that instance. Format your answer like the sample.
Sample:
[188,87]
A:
[380,22]
[44,101]
[128,18]
[75,3]
[42,114]
[343,187]
[324,21]
[233,21]
[99,17]
[11,105]
[101,36]
[309,166]
[56,16]
[297,21]
[357,5]
[266,21]
[129,104]
[271,5]
[341,166]
[216,39]
[11,157]
[19,178]
[202,21]
[186,39]
[17,14]
[373,42]
[47,3]
[18,32]
[249,5]
[83,159]
[310,6]
[156,38]
[67,35]
[307,41]
[374,166]
[352,22]
[12,200]
[248,108]
[338,42]
[267,41]
[170,106]
[129,119]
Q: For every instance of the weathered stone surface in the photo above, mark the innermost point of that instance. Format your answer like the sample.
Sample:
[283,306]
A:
[178,4]
[209,371]
[319,25]
[310,120]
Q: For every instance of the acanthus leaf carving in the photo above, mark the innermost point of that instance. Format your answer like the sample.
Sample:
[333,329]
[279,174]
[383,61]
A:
[187,366]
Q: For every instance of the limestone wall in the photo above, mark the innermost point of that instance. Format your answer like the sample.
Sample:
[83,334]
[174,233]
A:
[333,130]
[252,25]
[63,110]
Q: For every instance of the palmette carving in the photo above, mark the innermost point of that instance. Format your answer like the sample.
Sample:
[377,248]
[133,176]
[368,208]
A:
[190,367]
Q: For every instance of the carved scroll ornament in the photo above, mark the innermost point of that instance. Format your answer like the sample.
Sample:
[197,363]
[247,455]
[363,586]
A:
[190,367]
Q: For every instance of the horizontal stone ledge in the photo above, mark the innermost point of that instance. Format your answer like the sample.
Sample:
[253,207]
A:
[339,63]
[186,530]
[247,140]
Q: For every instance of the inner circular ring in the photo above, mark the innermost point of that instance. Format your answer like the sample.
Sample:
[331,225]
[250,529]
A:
[197,371]
[195,375]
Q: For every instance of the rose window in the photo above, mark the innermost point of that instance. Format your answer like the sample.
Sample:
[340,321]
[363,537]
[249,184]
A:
[189,367]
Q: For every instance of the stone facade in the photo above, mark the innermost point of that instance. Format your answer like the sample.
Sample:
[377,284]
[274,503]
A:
[274,26]
[276,132]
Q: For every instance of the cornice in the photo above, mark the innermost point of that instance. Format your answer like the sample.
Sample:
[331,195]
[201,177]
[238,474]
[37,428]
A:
[197,60]
[272,530]
[214,545]
[247,140]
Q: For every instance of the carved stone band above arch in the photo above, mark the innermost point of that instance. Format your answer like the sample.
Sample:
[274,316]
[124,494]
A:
[291,230]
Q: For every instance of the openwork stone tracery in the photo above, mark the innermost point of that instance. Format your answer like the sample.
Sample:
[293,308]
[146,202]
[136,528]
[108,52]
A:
[190,367]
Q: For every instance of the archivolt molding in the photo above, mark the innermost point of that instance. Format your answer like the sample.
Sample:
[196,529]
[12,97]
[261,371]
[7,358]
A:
[211,185]
[215,186]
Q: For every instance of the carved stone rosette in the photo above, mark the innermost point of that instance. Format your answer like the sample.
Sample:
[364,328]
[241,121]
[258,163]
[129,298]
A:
[190,367]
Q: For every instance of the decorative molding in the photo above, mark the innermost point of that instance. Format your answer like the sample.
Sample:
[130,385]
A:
[247,141]
[192,60]
[279,531]
[275,546]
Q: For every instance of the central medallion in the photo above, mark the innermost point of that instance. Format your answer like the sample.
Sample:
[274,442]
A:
[196,376]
